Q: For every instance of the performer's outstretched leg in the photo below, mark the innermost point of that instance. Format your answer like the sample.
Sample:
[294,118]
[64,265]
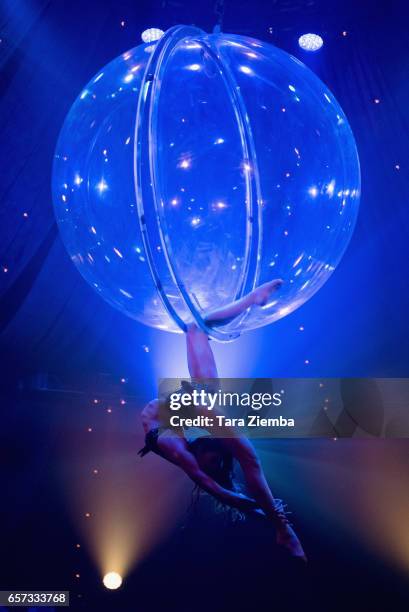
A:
[202,365]
[257,297]
[200,356]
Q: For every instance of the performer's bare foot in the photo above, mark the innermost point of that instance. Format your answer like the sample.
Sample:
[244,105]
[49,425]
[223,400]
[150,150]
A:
[285,535]
[287,538]
[261,294]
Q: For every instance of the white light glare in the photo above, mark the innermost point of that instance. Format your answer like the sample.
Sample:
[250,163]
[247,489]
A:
[330,188]
[184,163]
[310,42]
[193,67]
[151,35]
[102,186]
[192,46]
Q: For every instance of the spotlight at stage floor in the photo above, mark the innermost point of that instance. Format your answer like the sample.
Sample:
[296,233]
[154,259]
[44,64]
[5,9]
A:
[126,520]
[112,580]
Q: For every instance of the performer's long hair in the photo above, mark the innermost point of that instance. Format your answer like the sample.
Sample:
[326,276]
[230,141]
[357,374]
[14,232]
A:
[223,472]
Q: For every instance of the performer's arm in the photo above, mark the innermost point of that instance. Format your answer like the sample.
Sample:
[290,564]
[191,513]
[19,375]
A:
[174,450]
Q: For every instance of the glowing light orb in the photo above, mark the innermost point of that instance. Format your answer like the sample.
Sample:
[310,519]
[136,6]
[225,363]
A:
[192,169]
[310,42]
[112,580]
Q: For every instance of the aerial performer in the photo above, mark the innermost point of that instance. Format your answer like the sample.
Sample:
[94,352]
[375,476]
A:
[208,460]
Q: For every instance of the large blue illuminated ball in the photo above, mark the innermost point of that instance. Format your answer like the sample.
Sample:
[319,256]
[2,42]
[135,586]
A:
[190,170]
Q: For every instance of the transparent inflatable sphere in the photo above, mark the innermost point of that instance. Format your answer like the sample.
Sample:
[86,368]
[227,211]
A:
[191,170]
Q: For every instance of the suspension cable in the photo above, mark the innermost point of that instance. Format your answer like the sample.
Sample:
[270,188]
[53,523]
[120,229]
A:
[219,12]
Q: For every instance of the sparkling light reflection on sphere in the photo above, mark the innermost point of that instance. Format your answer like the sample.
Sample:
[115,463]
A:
[112,580]
[310,42]
[190,170]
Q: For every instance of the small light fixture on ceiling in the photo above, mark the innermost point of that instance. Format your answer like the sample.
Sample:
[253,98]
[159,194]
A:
[151,35]
[310,42]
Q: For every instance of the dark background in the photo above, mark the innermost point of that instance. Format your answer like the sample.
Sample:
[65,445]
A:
[62,347]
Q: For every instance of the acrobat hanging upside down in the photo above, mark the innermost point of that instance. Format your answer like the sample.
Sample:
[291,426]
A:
[209,460]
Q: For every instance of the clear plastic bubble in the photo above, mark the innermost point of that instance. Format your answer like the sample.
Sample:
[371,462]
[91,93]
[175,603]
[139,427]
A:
[191,170]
